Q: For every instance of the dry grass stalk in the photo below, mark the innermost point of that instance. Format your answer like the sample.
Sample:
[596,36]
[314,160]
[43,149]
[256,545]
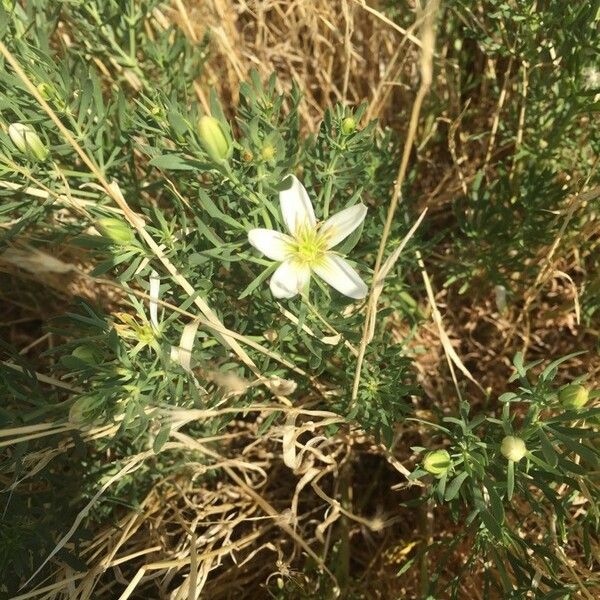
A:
[336,51]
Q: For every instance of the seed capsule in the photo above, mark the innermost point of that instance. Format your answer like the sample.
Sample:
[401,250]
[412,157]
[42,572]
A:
[437,462]
[45,90]
[513,448]
[573,396]
[214,139]
[81,409]
[27,141]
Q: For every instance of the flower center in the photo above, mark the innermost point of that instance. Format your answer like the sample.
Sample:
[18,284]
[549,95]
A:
[308,247]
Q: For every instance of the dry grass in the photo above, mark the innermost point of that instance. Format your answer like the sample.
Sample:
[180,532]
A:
[338,51]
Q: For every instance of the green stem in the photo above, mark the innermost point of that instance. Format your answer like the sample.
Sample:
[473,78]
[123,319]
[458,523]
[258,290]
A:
[329,186]
[318,315]
[259,199]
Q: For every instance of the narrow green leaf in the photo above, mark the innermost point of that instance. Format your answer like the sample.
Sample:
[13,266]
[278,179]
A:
[549,372]
[496,505]
[171,162]
[454,486]
[547,448]
[161,437]
[491,524]
[588,454]
[257,281]
[405,567]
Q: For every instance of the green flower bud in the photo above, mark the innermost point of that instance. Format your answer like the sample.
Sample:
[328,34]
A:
[513,448]
[573,396]
[437,462]
[87,354]
[115,230]
[348,125]
[27,141]
[214,139]
[268,152]
[45,90]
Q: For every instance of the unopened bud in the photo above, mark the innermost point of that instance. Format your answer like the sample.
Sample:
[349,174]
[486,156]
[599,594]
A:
[573,396]
[27,141]
[87,354]
[45,90]
[348,125]
[115,230]
[214,139]
[437,462]
[513,448]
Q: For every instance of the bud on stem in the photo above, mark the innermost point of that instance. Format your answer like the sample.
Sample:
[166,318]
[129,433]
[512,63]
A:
[214,138]
[437,462]
[573,396]
[348,125]
[115,230]
[513,448]
[27,141]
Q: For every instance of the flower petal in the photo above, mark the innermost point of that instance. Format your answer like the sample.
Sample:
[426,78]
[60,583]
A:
[154,294]
[296,207]
[272,244]
[289,279]
[341,225]
[340,275]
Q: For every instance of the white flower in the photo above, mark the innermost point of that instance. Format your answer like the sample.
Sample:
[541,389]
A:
[309,247]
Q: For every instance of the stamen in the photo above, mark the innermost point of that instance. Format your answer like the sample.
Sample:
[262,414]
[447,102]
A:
[308,247]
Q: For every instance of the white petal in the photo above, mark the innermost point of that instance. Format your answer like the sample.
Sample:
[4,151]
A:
[341,276]
[272,244]
[154,293]
[296,207]
[289,279]
[341,225]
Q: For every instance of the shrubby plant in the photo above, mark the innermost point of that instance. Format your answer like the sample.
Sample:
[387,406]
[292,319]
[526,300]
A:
[226,259]
[535,460]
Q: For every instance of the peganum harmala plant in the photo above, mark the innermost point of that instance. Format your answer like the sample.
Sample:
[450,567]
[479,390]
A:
[519,479]
[202,225]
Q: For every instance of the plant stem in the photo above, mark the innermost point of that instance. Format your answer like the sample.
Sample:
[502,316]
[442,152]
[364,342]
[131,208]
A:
[329,186]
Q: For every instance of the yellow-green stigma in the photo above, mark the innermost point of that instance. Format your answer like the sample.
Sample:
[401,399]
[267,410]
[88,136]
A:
[308,247]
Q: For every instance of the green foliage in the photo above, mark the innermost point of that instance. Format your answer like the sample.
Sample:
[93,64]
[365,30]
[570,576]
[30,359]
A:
[135,116]
[123,84]
[546,142]
[498,495]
